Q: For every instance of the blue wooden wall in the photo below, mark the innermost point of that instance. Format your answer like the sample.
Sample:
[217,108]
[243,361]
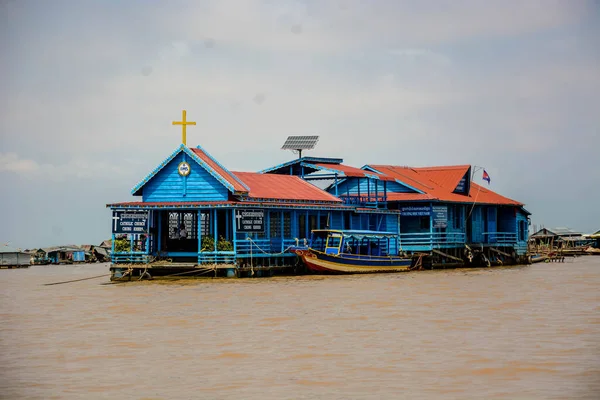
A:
[351,185]
[199,185]
[477,225]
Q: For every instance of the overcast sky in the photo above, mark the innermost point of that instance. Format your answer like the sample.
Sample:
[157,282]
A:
[88,90]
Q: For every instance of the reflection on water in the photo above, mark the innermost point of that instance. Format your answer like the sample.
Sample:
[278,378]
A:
[528,332]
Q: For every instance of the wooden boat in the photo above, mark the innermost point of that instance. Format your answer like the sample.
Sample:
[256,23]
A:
[352,252]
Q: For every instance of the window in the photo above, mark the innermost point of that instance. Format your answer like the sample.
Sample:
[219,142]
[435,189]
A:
[275,224]
[287,224]
[424,223]
[205,223]
[334,241]
[180,219]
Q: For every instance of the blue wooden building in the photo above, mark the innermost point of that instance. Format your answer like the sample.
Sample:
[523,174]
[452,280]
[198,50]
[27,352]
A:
[192,212]
[442,212]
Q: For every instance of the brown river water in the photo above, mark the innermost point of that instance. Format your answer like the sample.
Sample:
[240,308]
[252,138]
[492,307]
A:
[528,332]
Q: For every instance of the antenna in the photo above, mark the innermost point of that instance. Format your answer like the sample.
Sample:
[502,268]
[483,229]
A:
[299,143]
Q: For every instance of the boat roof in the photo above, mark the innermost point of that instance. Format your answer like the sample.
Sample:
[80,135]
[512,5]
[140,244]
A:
[357,232]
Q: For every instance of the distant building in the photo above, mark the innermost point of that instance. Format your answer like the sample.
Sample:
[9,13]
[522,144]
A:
[10,257]
[65,254]
[558,237]
[595,238]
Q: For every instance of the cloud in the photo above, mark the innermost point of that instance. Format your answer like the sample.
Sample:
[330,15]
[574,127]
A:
[291,26]
[11,162]
[73,168]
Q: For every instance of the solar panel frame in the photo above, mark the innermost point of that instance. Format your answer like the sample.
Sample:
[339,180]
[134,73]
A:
[300,143]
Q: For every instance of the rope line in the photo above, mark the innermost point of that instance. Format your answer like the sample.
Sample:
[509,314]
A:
[76,280]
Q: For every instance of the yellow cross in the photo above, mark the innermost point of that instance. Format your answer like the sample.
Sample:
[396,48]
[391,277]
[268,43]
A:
[183,124]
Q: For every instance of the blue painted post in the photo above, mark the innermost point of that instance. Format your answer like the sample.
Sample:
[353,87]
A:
[215,229]
[234,228]
[281,225]
[399,244]
[431,225]
[376,192]
[112,244]
[227,227]
[336,185]
[385,190]
[159,232]
[199,229]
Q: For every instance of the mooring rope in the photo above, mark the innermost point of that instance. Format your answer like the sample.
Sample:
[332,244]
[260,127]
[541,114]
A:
[258,247]
[76,280]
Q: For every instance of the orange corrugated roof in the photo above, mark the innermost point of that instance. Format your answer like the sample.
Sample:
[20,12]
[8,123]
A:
[439,183]
[283,187]
[225,174]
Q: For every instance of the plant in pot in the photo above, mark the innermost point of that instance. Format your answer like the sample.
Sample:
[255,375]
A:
[225,245]
[208,243]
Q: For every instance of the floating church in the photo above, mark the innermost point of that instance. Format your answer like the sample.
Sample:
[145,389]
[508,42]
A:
[194,216]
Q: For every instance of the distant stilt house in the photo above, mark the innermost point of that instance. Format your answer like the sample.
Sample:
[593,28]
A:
[64,255]
[13,258]
[558,238]
[595,239]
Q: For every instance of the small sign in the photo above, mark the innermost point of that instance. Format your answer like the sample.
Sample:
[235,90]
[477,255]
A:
[130,222]
[250,220]
[415,211]
[184,168]
[439,216]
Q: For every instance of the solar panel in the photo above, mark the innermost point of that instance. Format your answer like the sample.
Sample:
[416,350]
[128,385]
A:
[300,143]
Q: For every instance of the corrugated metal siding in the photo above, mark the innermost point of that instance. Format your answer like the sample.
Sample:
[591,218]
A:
[168,185]
[14,259]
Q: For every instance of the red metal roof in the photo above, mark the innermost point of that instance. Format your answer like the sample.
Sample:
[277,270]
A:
[199,204]
[352,171]
[228,176]
[439,183]
[283,187]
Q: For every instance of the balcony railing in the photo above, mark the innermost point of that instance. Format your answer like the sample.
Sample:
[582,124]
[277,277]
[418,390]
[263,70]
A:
[500,237]
[432,240]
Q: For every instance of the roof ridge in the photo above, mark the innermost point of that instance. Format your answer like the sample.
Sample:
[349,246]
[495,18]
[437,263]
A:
[221,166]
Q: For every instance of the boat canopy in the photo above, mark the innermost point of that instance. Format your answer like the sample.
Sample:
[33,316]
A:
[356,234]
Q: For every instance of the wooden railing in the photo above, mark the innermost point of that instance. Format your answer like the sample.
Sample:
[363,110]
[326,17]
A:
[428,239]
[500,237]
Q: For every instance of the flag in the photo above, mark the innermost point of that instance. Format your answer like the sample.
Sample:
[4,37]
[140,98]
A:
[486,177]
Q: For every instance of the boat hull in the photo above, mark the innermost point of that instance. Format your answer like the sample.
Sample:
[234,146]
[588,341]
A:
[327,264]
